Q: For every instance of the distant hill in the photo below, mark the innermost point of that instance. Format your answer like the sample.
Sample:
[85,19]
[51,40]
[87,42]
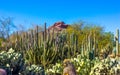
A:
[58,26]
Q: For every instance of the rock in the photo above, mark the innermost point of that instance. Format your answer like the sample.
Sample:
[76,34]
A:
[69,68]
[58,26]
[3,72]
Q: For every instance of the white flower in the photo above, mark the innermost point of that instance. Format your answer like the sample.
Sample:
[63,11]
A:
[82,62]
[1,57]
[50,70]
[75,59]
[14,58]
[57,71]
[72,60]
[9,56]
[34,65]
[29,68]
[2,52]
[58,65]
[54,68]
[7,65]
[112,59]
[47,70]
[10,50]
[78,69]
[19,73]
[36,68]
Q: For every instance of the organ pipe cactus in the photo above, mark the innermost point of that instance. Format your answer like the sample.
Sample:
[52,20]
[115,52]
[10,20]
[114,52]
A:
[117,41]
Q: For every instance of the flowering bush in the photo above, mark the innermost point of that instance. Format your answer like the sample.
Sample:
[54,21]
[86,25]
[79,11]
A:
[81,64]
[12,60]
[106,66]
[32,70]
[15,62]
[84,66]
[57,68]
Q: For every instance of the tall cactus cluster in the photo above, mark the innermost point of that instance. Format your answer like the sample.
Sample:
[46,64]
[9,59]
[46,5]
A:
[48,46]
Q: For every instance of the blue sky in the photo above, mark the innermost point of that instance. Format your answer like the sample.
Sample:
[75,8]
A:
[27,12]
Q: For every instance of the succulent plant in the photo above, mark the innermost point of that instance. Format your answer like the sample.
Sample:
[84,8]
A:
[11,60]
[32,70]
[108,66]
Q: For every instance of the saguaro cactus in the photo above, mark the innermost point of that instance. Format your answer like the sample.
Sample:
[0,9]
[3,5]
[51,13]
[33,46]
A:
[89,42]
[45,32]
[94,44]
[37,36]
[117,42]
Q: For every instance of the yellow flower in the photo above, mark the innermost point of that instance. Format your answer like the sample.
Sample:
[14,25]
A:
[78,69]
[82,62]
[66,60]
[66,74]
